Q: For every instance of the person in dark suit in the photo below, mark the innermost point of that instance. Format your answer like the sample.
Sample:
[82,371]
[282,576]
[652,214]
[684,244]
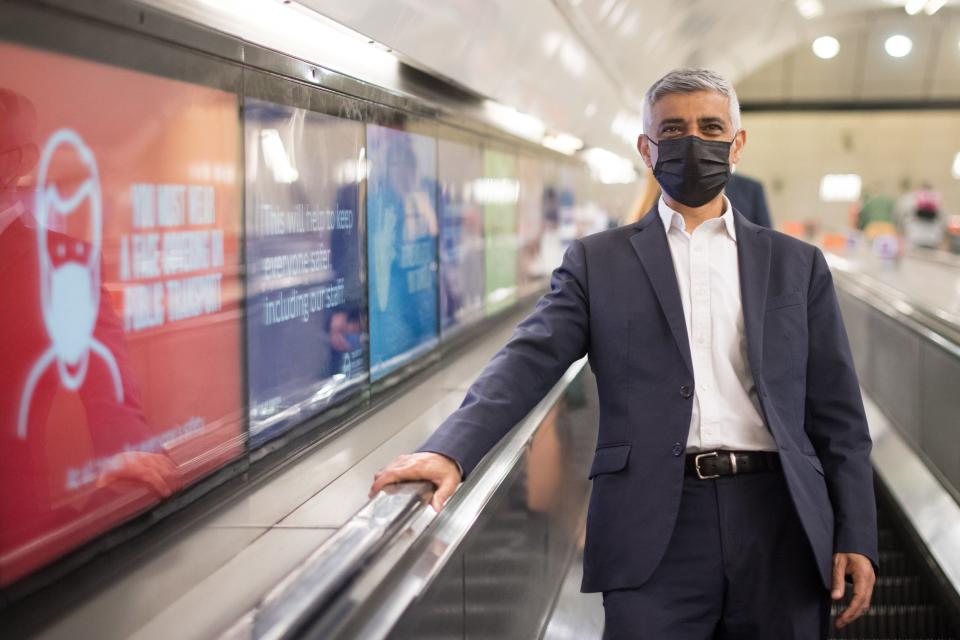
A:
[732,485]
[747,196]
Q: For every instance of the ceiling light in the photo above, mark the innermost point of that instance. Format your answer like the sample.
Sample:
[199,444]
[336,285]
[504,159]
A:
[571,56]
[913,7]
[840,187]
[496,190]
[809,9]
[933,6]
[563,142]
[627,126]
[519,124]
[898,45]
[608,167]
[826,47]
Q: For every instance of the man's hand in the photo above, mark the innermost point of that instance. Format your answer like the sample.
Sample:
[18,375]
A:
[155,471]
[438,469]
[861,570]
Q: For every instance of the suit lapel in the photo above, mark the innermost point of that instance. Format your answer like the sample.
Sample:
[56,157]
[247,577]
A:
[650,245]
[753,256]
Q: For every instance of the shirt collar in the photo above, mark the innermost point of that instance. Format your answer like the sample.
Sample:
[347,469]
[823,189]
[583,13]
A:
[672,218]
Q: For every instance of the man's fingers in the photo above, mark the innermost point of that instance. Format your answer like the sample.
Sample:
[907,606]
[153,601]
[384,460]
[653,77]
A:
[857,607]
[432,467]
[382,479]
[863,581]
[443,493]
[839,570]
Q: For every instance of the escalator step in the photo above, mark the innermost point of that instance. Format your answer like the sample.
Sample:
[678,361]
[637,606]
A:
[887,539]
[895,563]
[896,622]
[900,590]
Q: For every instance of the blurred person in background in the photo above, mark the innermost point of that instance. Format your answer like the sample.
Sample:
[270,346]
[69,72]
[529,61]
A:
[922,220]
[748,197]
[876,207]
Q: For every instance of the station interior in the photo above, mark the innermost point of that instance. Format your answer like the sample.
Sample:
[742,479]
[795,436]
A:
[255,250]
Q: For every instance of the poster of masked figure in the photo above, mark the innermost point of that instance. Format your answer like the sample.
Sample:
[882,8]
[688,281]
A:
[119,225]
[401,246]
[305,341]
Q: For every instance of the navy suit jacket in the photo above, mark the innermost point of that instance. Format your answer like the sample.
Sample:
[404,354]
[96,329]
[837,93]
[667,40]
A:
[747,196]
[615,297]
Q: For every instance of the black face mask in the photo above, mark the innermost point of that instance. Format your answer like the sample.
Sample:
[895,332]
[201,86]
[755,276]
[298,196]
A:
[692,170]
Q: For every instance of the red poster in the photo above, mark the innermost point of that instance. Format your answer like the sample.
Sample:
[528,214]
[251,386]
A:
[120,329]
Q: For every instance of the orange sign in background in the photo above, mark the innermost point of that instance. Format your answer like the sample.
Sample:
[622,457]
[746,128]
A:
[120,337]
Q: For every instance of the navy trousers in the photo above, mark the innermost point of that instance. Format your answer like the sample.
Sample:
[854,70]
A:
[738,567]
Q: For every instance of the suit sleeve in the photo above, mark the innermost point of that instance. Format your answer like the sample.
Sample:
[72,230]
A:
[541,349]
[835,419]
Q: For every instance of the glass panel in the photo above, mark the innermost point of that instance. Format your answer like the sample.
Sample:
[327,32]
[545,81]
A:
[119,248]
[461,235]
[401,246]
[499,192]
[306,347]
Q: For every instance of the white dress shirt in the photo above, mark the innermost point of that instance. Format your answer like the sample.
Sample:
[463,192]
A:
[726,411]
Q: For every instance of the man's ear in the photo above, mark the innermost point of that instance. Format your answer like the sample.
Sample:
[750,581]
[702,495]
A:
[643,146]
[736,149]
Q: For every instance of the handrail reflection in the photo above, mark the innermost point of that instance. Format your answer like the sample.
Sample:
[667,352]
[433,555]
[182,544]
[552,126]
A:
[315,584]
[339,578]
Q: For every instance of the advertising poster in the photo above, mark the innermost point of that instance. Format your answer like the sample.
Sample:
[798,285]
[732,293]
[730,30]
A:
[119,259]
[460,169]
[401,246]
[532,225]
[305,342]
[499,192]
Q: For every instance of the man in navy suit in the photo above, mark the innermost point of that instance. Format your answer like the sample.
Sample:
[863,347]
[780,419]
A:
[732,485]
[747,196]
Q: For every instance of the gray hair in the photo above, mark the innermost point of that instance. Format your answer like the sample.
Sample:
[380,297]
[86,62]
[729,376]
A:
[689,80]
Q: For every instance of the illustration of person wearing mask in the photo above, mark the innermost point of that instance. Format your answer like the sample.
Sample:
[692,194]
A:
[72,415]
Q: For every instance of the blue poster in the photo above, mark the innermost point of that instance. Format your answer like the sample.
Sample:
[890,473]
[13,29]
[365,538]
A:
[401,246]
[305,297]
[460,169]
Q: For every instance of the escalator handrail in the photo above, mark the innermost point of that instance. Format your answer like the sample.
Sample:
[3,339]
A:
[328,590]
[926,500]
[935,326]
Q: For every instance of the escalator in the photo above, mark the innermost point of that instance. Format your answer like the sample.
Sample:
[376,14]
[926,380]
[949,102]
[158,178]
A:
[907,605]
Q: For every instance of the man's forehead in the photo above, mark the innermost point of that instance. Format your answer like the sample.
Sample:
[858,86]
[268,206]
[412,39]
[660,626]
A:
[697,105]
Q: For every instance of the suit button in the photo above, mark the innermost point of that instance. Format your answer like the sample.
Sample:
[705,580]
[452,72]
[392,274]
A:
[677,448]
[686,391]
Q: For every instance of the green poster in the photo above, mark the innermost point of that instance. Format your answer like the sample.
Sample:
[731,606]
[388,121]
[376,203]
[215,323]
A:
[499,192]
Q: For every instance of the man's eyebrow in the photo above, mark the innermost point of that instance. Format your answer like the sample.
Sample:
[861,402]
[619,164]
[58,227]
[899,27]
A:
[667,121]
[711,120]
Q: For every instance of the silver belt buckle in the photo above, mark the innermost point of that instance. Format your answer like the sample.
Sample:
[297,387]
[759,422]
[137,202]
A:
[696,464]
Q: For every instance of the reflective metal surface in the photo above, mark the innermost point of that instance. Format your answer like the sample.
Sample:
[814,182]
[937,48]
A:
[908,359]
[932,511]
[313,585]
[514,518]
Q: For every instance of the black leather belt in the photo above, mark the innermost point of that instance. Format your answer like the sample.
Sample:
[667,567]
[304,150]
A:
[713,464]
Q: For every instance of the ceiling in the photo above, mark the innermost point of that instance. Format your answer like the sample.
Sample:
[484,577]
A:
[862,71]
[581,66]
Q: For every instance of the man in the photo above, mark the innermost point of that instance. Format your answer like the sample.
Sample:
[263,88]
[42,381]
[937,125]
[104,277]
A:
[713,337]
[747,197]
